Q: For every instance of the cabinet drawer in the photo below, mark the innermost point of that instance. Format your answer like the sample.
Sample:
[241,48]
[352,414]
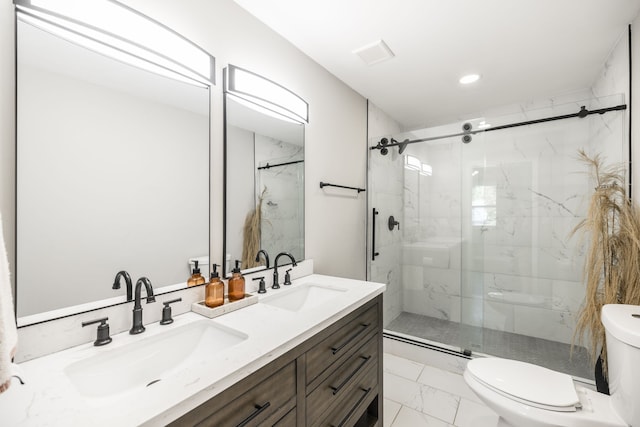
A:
[288,420]
[343,340]
[339,385]
[350,409]
[253,403]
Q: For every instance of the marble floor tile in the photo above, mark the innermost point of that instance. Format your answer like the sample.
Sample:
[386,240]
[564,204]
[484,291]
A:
[447,381]
[402,367]
[471,414]
[391,410]
[420,397]
[407,417]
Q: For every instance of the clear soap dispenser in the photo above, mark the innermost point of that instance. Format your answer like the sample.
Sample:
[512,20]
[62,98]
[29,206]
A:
[196,278]
[214,291]
[236,284]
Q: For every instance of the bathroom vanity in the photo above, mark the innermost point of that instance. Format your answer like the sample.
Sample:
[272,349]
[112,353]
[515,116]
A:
[307,354]
[332,378]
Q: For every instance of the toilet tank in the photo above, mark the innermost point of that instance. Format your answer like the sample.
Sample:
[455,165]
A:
[623,359]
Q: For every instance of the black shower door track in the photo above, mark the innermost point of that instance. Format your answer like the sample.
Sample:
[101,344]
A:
[580,114]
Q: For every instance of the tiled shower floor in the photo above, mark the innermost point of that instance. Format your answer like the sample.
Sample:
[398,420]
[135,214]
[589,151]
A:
[550,354]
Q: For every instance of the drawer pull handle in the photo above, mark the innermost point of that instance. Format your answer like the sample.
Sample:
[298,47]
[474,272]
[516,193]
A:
[337,389]
[364,396]
[255,413]
[363,327]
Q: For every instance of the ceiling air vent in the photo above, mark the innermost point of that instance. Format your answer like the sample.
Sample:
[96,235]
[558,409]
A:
[374,53]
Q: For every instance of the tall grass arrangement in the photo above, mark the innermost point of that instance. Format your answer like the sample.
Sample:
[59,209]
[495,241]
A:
[251,234]
[612,264]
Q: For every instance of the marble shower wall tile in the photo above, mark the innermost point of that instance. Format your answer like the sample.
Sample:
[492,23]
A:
[385,193]
[527,259]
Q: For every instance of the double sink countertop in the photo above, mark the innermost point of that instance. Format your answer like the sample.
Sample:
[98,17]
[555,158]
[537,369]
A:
[155,377]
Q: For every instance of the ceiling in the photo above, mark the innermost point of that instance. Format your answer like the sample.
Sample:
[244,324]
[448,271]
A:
[523,50]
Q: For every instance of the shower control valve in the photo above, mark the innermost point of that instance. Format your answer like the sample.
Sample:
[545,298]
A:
[392,223]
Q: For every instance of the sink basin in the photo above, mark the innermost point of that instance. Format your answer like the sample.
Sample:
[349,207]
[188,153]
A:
[304,297]
[147,361]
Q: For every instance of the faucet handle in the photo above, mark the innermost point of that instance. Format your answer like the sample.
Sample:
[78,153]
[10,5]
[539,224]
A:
[103,337]
[287,277]
[261,286]
[166,311]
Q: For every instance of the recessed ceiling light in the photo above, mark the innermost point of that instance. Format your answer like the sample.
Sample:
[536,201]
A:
[469,78]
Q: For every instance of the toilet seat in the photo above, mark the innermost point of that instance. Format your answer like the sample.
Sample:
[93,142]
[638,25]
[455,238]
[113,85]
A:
[526,383]
[596,410]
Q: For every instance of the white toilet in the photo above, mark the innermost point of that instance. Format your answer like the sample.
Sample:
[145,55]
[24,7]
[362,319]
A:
[526,395]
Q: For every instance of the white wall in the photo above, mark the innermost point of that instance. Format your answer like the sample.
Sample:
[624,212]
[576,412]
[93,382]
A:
[7,128]
[334,139]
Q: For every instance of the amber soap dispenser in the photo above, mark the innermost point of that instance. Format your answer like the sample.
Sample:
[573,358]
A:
[214,291]
[236,284]
[196,278]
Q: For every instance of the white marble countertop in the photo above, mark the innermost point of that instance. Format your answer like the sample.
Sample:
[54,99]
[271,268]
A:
[49,398]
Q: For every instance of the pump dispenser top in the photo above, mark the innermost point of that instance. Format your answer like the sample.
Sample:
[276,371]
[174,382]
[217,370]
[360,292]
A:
[236,284]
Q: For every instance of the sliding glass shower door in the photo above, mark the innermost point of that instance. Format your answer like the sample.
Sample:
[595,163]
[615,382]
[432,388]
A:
[481,258]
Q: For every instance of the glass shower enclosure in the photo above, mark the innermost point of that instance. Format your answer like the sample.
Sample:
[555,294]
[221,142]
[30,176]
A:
[470,228]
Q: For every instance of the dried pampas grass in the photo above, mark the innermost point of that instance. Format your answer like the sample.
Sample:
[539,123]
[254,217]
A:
[251,234]
[612,264]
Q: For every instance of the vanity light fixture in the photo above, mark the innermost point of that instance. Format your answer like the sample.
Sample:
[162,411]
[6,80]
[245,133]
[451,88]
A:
[261,109]
[469,78]
[113,29]
[265,95]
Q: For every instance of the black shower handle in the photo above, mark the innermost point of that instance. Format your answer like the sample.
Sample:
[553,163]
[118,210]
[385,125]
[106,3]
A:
[392,223]
[374,254]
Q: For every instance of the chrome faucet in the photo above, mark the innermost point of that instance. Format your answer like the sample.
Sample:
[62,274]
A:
[127,279]
[137,327]
[265,254]
[275,268]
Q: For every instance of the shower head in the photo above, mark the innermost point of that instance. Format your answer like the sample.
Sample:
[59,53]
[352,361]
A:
[402,146]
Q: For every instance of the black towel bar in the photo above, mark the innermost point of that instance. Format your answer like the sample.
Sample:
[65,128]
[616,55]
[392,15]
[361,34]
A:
[326,184]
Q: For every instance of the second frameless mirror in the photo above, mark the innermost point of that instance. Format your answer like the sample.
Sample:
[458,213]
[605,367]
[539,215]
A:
[264,173]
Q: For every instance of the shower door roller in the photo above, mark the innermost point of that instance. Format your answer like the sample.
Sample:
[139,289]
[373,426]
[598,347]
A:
[392,223]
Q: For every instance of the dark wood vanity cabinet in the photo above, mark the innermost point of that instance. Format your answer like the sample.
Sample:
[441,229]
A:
[332,379]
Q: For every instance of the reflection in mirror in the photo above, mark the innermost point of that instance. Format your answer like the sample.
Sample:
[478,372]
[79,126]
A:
[112,174]
[264,172]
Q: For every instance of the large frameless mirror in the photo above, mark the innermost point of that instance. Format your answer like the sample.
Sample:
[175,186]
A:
[264,170]
[112,174]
